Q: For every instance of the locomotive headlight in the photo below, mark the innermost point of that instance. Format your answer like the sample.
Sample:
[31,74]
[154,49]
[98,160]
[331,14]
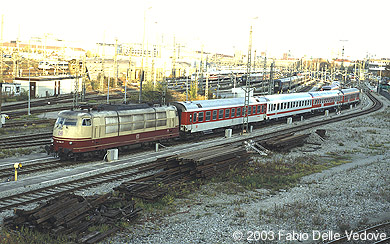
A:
[70,143]
[51,140]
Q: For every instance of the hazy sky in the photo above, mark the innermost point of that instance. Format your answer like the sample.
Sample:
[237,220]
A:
[305,27]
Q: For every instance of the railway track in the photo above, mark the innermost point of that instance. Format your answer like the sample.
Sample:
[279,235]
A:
[51,104]
[74,185]
[151,167]
[38,139]
[376,231]
[31,166]
[19,123]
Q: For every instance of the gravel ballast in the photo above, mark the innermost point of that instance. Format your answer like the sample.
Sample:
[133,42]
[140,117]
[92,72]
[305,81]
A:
[343,198]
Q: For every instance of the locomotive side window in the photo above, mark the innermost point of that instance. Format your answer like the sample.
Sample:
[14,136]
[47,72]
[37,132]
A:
[150,120]
[220,116]
[200,117]
[195,117]
[111,124]
[139,122]
[208,115]
[126,123]
[214,114]
[161,118]
[86,122]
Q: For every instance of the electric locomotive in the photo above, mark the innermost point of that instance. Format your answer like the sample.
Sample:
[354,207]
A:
[92,131]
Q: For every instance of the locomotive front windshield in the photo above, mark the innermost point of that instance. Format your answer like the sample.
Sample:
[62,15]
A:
[65,121]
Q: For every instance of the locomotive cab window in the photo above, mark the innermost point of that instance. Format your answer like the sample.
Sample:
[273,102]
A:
[86,122]
[66,121]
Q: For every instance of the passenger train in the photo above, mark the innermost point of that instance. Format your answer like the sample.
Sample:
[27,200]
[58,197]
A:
[285,84]
[91,131]
[334,86]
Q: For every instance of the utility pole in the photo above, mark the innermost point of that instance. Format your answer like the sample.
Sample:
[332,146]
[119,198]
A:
[245,124]
[116,62]
[128,75]
[200,83]
[142,59]
[103,57]
[271,78]
[1,52]
[76,84]
[264,74]
[342,62]
[84,73]
[1,97]
[174,61]
[1,62]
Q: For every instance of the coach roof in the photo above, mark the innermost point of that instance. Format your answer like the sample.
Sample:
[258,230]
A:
[217,103]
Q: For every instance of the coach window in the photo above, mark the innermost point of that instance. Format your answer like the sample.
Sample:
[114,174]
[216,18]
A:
[208,115]
[220,116]
[238,112]
[249,110]
[227,113]
[200,117]
[86,122]
[214,114]
[195,117]
[233,112]
[259,109]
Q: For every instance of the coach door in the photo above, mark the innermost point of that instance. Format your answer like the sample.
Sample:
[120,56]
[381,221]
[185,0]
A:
[96,128]
[190,122]
[32,89]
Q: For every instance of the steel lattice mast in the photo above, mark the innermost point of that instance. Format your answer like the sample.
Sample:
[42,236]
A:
[245,124]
